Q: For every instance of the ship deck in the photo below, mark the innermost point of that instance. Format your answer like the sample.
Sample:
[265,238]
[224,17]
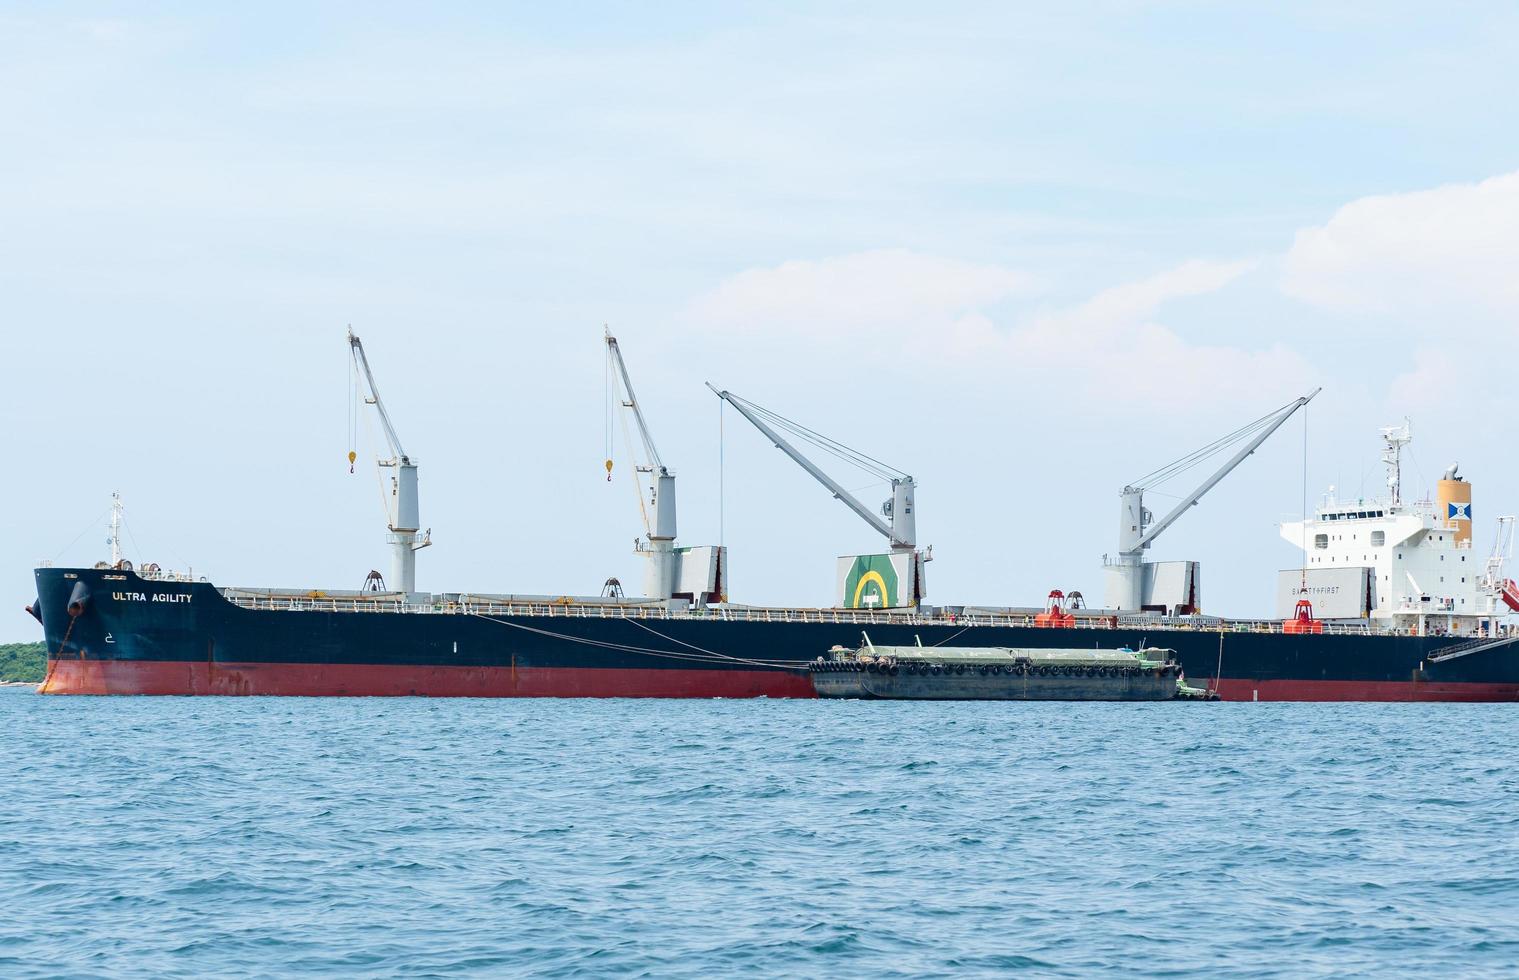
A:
[597,607]
[570,607]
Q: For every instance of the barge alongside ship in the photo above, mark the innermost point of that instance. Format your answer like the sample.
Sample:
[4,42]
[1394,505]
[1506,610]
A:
[919,673]
[1399,632]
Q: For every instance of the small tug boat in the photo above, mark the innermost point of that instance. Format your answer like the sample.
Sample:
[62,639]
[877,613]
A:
[1000,674]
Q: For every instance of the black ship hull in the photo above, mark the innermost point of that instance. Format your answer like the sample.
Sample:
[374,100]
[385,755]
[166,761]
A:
[113,632]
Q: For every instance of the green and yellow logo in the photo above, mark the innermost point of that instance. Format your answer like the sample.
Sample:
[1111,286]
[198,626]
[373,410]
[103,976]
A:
[871,583]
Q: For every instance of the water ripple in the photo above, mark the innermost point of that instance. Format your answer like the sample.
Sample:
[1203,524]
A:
[253,837]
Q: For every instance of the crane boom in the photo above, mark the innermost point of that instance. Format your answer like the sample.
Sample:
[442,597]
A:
[900,532]
[661,571]
[402,513]
[362,360]
[1129,579]
[632,404]
[1191,499]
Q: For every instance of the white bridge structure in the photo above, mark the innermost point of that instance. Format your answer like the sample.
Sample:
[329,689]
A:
[1400,565]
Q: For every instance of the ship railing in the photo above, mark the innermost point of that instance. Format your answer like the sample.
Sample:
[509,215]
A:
[152,573]
[1478,644]
[473,606]
[479,606]
[1243,626]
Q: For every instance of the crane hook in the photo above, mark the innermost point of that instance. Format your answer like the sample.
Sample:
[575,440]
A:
[609,471]
[351,457]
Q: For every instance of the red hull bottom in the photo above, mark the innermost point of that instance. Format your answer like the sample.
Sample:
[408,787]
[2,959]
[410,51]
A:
[364,680]
[1244,689]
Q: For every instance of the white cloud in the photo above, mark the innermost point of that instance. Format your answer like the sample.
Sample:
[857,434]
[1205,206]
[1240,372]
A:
[956,313]
[1115,343]
[1116,321]
[1145,296]
[884,289]
[1424,389]
[1431,252]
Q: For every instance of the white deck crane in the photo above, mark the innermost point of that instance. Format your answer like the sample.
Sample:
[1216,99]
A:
[1494,581]
[401,504]
[899,525]
[1136,529]
[660,572]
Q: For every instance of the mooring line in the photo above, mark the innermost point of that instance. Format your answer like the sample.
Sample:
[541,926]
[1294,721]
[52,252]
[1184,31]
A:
[705,657]
[714,653]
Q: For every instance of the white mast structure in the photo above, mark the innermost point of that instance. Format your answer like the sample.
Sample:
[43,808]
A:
[1394,438]
[1136,531]
[401,505]
[659,573]
[900,524]
[115,539]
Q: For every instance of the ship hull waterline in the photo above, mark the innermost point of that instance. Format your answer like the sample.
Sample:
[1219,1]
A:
[135,636]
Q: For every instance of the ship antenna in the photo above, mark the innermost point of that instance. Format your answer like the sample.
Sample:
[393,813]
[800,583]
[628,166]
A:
[1395,438]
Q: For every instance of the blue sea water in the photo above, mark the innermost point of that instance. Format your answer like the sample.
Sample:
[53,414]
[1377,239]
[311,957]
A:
[160,837]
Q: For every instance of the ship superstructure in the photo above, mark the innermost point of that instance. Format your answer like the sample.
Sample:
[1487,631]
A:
[1400,565]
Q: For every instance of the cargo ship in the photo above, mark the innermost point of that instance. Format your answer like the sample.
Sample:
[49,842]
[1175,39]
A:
[1390,603]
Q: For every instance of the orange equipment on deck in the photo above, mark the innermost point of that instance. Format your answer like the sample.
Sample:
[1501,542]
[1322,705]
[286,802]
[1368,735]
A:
[1303,621]
[1054,612]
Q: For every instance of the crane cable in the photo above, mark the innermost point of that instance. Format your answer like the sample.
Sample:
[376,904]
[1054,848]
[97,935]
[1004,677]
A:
[607,411]
[1187,462]
[353,408]
[643,509]
[833,447]
[378,478]
[612,388]
[722,501]
[1304,586]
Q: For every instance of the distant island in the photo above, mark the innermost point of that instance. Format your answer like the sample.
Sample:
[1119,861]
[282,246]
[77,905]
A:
[23,662]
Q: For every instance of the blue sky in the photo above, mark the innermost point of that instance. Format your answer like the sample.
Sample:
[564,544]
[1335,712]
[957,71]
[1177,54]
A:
[1025,253]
